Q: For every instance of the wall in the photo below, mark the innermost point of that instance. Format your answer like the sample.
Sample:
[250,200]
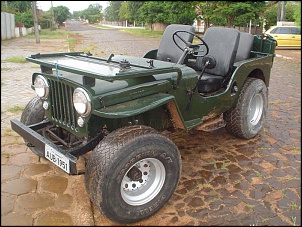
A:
[7,25]
[159,26]
[9,30]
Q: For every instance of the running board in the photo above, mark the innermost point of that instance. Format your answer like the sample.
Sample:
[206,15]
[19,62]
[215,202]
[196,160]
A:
[212,124]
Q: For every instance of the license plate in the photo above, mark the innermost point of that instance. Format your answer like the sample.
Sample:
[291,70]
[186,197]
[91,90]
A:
[57,158]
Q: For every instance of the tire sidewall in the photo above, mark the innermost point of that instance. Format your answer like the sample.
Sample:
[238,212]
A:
[256,87]
[33,113]
[134,151]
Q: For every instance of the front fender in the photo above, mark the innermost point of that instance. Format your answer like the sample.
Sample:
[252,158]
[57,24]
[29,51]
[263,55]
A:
[134,107]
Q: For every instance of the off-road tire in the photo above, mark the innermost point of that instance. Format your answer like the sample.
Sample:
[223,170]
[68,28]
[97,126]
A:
[110,162]
[246,119]
[33,113]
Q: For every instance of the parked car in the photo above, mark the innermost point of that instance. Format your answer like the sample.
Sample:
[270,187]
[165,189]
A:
[286,36]
[118,106]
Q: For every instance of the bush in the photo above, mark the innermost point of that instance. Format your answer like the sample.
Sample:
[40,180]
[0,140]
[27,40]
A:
[26,18]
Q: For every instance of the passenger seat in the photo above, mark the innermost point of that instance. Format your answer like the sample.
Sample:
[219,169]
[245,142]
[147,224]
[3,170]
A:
[245,46]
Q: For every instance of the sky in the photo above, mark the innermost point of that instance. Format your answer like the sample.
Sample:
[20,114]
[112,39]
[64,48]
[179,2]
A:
[72,5]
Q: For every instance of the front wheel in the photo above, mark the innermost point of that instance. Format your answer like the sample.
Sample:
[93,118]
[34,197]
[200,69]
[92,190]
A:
[33,113]
[132,173]
[246,119]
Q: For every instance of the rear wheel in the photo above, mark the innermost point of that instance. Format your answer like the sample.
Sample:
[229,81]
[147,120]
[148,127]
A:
[33,113]
[132,173]
[246,119]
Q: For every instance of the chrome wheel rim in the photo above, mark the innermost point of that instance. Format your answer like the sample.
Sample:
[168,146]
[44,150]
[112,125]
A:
[255,109]
[143,181]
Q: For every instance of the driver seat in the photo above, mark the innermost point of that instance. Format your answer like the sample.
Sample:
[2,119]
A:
[223,44]
[167,50]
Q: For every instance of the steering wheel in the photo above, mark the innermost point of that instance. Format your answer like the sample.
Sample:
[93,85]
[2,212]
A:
[196,47]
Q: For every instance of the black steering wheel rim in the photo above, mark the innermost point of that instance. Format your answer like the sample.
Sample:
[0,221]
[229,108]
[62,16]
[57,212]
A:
[190,44]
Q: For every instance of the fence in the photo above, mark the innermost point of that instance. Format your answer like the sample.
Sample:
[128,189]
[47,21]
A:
[161,27]
[9,29]
[7,25]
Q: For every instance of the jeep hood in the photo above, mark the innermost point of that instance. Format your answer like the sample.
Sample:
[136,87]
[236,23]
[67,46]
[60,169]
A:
[102,75]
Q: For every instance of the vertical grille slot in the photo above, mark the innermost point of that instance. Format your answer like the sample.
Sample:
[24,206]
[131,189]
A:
[62,109]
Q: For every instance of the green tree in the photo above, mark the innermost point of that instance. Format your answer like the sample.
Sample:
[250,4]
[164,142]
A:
[168,12]
[112,11]
[293,13]
[25,18]
[297,13]
[16,6]
[206,10]
[93,13]
[61,14]
[152,11]
[133,7]
[44,19]
[76,14]
[124,11]
[179,12]
[21,9]
[244,10]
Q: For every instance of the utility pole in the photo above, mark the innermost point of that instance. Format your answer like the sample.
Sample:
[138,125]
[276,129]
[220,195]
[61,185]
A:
[283,11]
[36,25]
[52,18]
[279,11]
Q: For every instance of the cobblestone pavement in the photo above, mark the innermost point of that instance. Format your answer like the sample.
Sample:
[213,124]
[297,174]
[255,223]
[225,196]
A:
[224,180]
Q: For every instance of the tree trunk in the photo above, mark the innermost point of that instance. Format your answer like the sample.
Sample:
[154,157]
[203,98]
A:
[206,24]
[230,21]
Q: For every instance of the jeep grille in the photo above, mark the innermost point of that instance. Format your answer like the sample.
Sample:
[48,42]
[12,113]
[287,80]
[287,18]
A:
[62,110]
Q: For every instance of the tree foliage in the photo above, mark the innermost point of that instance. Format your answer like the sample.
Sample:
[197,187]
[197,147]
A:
[93,13]
[225,13]
[219,13]
[61,14]
[206,11]
[25,18]
[297,13]
[112,11]
[180,12]
[16,6]
[242,11]
[21,9]
[152,11]
[293,13]
[133,7]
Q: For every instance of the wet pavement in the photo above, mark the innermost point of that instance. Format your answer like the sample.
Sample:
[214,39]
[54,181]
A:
[224,180]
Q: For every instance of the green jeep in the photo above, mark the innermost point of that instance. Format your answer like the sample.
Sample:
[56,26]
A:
[118,106]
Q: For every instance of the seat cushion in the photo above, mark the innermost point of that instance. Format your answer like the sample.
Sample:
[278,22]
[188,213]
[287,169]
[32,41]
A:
[167,50]
[245,46]
[209,83]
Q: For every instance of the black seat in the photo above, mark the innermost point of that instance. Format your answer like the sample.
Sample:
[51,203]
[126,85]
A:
[223,44]
[167,50]
[245,46]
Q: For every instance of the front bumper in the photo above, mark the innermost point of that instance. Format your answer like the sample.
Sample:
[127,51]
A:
[46,146]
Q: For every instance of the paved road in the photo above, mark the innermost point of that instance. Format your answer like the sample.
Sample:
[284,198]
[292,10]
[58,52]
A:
[224,180]
[103,42]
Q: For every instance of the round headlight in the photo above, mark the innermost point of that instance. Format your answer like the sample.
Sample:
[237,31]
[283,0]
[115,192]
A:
[41,87]
[81,102]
